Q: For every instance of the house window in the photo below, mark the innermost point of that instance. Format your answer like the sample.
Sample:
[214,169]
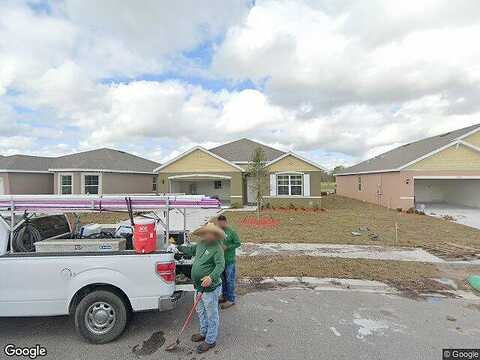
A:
[91,184]
[291,184]
[359,183]
[217,184]
[154,183]
[66,184]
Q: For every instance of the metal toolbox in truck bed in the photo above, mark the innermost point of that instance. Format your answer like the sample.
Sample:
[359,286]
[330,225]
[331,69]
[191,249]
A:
[80,245]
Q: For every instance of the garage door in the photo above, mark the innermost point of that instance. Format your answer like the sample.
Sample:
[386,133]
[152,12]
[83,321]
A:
[464,192]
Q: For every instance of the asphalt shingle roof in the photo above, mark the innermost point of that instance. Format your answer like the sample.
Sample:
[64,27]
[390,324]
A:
[106,159]
[241,150]
[25,162]
[407,153]
[99,159]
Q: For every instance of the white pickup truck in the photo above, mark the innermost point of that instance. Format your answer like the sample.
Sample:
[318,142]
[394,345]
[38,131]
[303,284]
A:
[98,289]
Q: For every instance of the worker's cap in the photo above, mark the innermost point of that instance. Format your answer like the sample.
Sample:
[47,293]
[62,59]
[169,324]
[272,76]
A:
[210,228]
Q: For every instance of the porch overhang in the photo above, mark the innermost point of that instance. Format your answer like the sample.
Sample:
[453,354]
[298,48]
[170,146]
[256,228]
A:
[199,177]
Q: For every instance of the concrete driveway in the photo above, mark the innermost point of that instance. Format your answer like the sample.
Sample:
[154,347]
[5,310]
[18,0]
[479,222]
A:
[461,214]
[279,324]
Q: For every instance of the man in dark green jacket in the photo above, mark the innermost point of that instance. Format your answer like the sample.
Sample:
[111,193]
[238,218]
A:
[207,269]
[230,244]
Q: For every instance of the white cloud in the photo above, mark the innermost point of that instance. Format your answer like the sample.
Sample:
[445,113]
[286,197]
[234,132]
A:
[336,80]
[329,60]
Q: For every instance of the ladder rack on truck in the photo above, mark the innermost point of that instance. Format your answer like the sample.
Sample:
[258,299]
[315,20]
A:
[18,204]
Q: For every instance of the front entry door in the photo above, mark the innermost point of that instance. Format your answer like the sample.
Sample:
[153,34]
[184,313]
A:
[250,191]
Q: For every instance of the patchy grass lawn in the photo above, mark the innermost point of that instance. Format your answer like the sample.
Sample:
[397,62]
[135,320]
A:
[100,218]
[409,277]
[344,215]
[327,186]
[381,270]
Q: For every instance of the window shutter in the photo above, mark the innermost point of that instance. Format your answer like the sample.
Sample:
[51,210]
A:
[273,185]
[306,184]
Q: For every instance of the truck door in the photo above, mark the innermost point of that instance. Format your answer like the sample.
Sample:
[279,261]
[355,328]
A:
[33,286]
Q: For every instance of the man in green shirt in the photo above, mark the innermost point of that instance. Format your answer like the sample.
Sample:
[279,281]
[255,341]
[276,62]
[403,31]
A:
[207,269]
[230,244]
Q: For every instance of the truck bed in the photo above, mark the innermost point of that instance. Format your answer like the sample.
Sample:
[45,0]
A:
[97,253]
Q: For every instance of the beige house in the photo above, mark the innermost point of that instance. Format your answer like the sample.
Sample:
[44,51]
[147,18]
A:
[439,169]
[221,172]
[101,171]
[24,174]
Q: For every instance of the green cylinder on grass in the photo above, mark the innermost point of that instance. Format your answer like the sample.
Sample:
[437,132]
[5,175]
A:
[474,281]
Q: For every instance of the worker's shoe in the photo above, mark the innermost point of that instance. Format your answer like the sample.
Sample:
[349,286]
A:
[204,347]
[226,305]
[197,337]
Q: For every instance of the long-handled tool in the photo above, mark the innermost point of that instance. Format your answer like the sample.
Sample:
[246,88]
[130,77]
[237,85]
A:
[174,345]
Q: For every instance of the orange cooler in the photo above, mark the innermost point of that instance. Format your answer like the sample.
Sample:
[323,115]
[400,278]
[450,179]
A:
[144,236]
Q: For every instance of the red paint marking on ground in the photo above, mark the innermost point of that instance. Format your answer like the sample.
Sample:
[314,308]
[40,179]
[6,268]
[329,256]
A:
[263,222]
[295,210]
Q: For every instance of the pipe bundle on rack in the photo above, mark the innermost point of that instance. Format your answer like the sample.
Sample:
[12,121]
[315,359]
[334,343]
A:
[86,203]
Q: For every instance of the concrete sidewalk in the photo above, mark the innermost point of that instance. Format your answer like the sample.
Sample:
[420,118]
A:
[342,251]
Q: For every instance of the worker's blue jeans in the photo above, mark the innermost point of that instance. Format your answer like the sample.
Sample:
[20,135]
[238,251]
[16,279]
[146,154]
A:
[208,316]
[228,282]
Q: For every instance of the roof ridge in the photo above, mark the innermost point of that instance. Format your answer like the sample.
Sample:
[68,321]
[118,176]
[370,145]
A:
[440,135]
[404,154]
[247,139]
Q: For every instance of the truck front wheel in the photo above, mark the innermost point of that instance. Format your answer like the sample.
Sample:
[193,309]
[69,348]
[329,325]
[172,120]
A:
[101,316]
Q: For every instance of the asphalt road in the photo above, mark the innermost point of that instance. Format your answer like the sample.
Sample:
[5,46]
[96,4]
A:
[280,324]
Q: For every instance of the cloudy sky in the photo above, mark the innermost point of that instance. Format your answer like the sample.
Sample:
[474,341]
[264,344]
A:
[334,80]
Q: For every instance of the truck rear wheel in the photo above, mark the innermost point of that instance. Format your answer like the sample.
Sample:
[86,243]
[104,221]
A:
[101,316]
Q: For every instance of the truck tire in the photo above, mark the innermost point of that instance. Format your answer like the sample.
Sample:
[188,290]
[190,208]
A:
[101,316]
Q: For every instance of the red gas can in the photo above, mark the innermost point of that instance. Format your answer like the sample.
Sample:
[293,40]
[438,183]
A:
[144,236]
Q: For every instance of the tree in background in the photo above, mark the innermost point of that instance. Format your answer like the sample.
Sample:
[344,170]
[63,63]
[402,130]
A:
[337,169]
[334,171]
[257,170]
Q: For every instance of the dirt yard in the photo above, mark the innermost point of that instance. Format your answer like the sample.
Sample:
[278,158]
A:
[405,276]
[342,216]
[100,218]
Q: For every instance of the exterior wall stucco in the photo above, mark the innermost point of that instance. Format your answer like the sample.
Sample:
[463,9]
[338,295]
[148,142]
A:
[394,189]
[30,183]
[291,163]
[294,164]
[315,181]
[473,139]
[6,185]
[386,189]
[112,183]
[124,183]
[76,182]
[198,161]
[236,183]
[453,158]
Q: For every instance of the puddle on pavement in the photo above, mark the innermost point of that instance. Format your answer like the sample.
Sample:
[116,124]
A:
[149,346]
